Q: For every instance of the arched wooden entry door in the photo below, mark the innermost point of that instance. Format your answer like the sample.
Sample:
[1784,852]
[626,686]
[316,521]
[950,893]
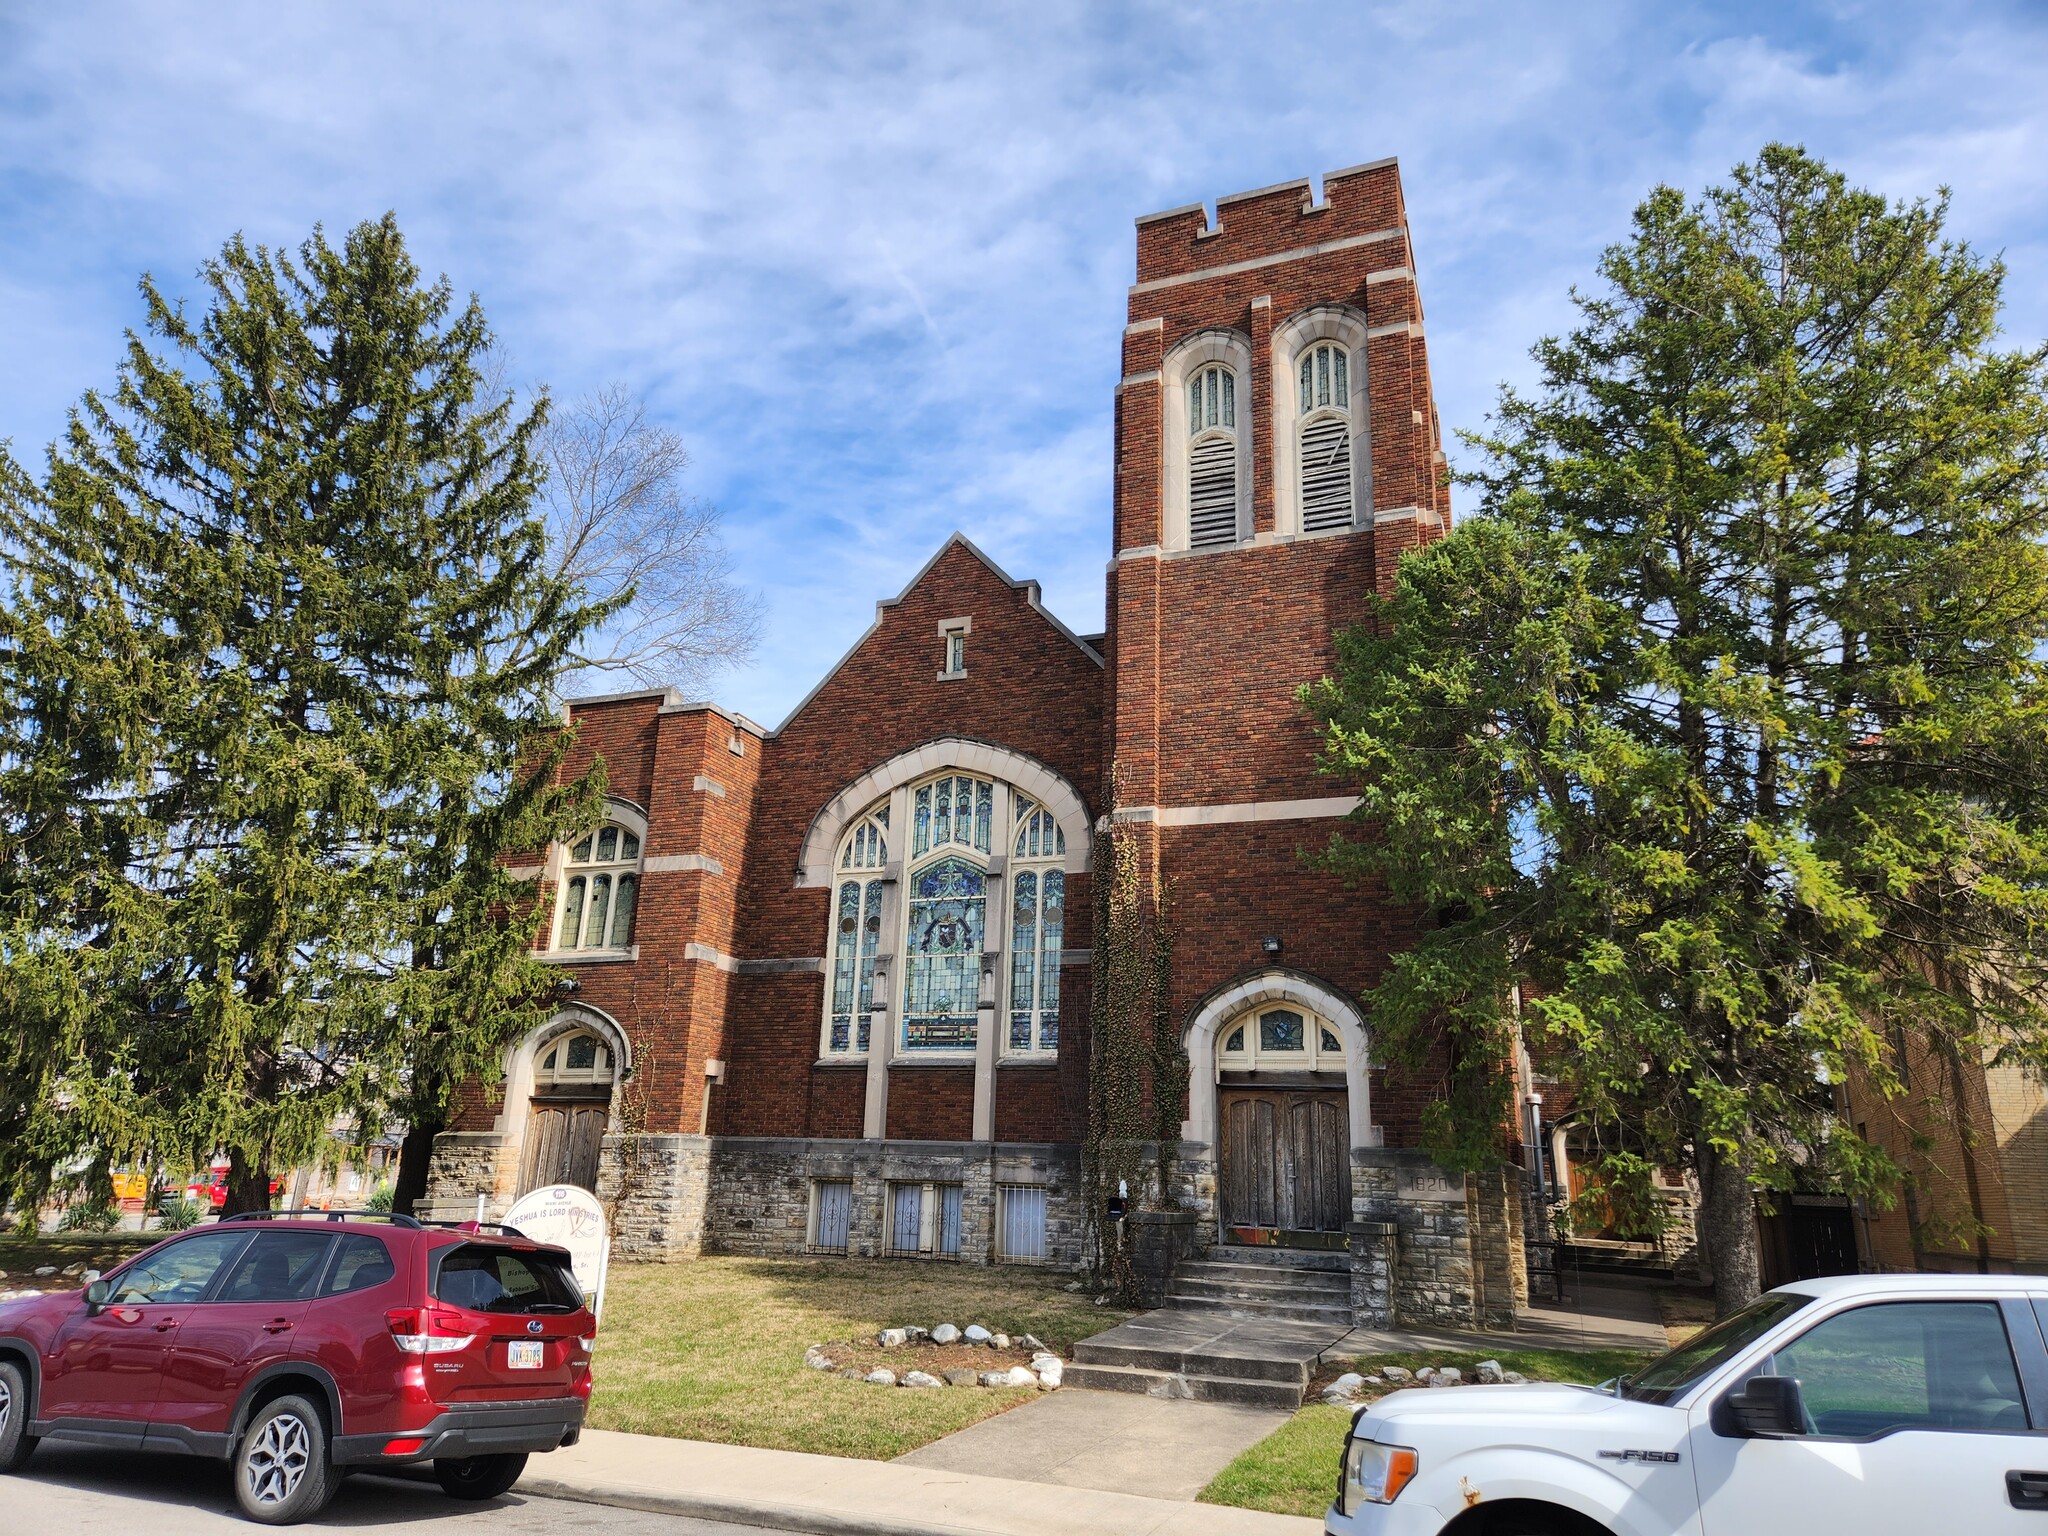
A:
[570,1112]
[1285,1158]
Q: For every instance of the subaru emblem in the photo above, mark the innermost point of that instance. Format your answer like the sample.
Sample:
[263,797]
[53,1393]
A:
[535,1326]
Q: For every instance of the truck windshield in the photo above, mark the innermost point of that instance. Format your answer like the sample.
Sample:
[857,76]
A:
[1671,1375]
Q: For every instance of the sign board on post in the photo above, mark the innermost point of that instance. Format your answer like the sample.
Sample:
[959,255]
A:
[570,1218]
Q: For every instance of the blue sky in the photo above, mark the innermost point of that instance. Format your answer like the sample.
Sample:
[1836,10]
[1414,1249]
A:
[870,260]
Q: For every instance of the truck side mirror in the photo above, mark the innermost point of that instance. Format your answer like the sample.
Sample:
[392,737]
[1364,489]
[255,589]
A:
[99,1293]
[1767,1408]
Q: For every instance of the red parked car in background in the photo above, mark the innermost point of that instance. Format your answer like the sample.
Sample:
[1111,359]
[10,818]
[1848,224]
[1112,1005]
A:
[211,1187]
[296,1344]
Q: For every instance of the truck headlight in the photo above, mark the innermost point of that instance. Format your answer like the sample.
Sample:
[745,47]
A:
[1374,1474]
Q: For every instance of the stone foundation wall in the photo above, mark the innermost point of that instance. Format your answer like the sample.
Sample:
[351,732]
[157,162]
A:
[1434,1279]
[466,1164]
[656,1191]
[760,1192]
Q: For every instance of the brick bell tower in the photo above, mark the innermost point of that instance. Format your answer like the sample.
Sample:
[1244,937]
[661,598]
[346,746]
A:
[1277,449]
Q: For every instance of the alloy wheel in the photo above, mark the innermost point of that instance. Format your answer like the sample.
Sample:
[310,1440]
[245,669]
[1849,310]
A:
[6,1405]
[278,1460]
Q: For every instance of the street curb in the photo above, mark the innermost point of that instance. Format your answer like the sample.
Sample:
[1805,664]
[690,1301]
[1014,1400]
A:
[781,1517]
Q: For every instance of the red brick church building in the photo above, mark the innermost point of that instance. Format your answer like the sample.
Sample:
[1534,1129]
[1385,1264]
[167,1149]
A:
[832,979]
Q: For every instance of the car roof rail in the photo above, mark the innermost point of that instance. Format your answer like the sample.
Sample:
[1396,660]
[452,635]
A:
[478,1226]
[396,1218]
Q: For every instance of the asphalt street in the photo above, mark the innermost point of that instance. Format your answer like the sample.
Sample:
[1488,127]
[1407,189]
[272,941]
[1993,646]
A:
[67,1492]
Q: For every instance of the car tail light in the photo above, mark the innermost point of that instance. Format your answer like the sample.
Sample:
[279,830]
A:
[422,1331]
[589,1342]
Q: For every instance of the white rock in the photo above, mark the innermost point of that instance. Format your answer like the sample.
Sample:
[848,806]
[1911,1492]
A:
[1050,1374]
[1450,1375]
[995,1378]
[46,1269]
[880,1378]
[1074,1286]
[921,1379]
[74,1269]
[976,1334]
[895,1338]
[1102,1300]
[918,1335]
[1375,1381]
[816,1358]
[1427,1373]
[1397,1373]
[1337,1399]
[945,1333]
[1019,1376]
[1489,1371]
[1036,1346]
[1000,1341]
[1044,1358]
[1348,1383]
[1513,1378]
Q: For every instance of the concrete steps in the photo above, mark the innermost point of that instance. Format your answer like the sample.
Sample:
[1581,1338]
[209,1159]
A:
[1279,1283]
[1195,1352]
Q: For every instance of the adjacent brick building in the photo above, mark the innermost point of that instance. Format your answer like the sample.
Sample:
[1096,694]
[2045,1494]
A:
[832,978]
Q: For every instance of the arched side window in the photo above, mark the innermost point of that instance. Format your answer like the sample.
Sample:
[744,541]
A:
[1212,457]
[599,890]
[1323,432]
[1281,1040]
[856,932]
[577,1060]
[1038,906]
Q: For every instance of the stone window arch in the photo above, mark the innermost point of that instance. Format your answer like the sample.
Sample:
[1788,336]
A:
[1322,458]
[1295,991]
[1206,447]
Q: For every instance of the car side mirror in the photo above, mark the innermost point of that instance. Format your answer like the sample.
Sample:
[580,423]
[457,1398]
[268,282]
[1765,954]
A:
[99,1293]
[1767,1408]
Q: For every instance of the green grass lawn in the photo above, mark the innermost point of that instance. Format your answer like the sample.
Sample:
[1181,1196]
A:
[712,1349]
[20,1257]
[1293,1471]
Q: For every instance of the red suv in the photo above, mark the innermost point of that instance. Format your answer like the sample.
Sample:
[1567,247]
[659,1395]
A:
[298,1349]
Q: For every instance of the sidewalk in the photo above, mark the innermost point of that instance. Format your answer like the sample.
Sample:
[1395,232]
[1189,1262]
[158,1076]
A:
[837,1496]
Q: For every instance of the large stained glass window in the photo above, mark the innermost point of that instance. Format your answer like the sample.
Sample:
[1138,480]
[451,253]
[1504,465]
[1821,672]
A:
[942,970]
[955,811]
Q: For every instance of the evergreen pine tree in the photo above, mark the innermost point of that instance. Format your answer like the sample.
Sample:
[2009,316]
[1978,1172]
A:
[1725,723]
[278,687]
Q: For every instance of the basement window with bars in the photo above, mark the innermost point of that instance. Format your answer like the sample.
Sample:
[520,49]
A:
[1020,1223]
[1324,399]
[831,1215]
[924,1221]
[1212,458]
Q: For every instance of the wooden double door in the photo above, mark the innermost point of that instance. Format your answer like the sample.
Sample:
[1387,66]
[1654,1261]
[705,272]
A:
[564,1138]
[1286,1162]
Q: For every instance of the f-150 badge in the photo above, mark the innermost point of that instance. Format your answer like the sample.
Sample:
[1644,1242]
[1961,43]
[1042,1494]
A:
[1660,1457]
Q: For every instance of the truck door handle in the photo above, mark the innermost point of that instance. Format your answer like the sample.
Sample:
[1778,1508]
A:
[277,1325]
[167,1325]
[2027,1490]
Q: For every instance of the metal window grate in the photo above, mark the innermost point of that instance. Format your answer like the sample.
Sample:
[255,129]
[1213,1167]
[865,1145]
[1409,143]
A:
[832,1221]
[1023,1221]
[924,1220]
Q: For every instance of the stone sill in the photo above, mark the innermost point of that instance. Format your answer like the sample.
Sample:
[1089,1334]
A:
[587,956]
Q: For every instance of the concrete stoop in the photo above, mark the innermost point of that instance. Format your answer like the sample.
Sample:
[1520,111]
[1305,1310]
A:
[1283,1284]
[1263,1362]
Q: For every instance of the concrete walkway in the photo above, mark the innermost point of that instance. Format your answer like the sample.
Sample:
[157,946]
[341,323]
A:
[1116,1441]
[836,1496]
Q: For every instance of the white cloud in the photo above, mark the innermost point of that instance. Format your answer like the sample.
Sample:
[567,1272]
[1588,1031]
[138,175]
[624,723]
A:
[870,260]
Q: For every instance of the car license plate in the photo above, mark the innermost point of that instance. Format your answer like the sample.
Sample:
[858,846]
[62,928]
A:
[524,1354]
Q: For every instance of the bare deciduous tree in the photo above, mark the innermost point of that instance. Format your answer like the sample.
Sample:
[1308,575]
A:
[620,522]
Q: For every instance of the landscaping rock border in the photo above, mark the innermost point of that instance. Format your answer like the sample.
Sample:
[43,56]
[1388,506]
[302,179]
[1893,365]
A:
[1046,1371]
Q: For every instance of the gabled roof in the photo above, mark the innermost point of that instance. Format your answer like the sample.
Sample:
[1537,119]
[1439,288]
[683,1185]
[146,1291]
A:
[1030,590]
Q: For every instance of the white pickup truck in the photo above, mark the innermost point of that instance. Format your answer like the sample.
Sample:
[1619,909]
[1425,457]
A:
[1878,1405]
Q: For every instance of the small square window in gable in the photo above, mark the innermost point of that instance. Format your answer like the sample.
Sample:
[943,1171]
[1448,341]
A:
[953,635]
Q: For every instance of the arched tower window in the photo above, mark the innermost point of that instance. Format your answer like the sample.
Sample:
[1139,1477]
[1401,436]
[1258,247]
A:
[1038,910]
[856,931]
[1323,431]
[1212,457]
[600,888]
